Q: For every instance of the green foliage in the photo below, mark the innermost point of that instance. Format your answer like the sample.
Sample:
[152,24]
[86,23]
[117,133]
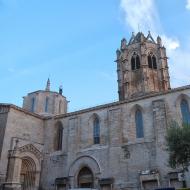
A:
[178,145]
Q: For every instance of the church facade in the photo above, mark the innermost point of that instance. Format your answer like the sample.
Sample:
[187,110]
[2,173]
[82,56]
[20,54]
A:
[115,146]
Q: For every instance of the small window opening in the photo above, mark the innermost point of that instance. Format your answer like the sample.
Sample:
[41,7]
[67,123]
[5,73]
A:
[135,62]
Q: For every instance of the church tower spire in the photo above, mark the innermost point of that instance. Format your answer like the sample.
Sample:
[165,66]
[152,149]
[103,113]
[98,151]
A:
[48,85]
[142,66]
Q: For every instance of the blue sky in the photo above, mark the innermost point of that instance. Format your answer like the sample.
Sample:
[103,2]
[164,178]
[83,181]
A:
[74,42]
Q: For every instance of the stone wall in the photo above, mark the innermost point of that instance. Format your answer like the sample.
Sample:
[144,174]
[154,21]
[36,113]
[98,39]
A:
[120,158]
[25,127]
[3,118]
[3,121]
[120,155]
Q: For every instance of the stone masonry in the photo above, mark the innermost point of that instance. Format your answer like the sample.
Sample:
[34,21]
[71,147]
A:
[115,146]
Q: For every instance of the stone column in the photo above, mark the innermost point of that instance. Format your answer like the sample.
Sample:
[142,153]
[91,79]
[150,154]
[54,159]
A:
[37,179]
[96,183]
[71,182]
[13,173]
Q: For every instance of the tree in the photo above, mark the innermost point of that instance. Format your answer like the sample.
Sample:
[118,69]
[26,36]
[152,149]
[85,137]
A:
[178,146]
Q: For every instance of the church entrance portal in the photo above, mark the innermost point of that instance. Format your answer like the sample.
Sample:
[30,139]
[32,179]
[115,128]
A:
[27,175]
[85,178]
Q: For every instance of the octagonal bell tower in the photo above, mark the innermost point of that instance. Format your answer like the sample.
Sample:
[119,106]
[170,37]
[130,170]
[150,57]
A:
[46,102]
[142,66]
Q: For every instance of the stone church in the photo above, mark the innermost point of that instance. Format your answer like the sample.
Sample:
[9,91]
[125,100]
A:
[116,146]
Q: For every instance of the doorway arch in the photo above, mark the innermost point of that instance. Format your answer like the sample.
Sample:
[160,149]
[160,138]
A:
[85,178]
[81,162]
[30,167]
[28,173]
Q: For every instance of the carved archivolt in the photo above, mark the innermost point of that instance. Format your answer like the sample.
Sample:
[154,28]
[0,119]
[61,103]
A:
[84,161]
[31,148]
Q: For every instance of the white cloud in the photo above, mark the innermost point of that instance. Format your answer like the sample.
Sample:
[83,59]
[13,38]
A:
[179,67]
[143,13]
[140,14]
[170,43]
[188,5]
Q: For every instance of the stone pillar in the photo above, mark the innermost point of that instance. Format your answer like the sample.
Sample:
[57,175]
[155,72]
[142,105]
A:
[13,173]
[96,183]
[37,179]
[71,182]
[160,126]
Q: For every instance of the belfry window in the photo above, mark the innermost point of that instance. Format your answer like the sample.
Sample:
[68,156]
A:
[152,61]
[135,62]
[96,131]
[139,124]
[185,112]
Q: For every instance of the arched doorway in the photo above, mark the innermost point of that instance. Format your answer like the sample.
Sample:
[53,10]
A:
[85,178]
[28,174]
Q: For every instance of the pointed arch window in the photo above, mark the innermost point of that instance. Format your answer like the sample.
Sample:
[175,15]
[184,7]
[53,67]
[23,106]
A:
[96,131]
[135,62]
[149,61]
[139,124]
[58,137]
[185,112]
[152,61]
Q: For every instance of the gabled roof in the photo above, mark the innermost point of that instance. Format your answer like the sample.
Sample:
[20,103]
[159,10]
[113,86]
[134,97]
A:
[149,38]
[140,37]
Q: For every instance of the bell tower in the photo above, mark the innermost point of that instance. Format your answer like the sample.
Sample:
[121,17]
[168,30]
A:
[142,66]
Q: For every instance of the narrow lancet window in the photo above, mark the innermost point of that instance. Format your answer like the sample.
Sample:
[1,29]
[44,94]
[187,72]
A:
[58,138]
[152,61]
[149,61]
[96,131]
[185,112]
[139,124]
[135,62]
